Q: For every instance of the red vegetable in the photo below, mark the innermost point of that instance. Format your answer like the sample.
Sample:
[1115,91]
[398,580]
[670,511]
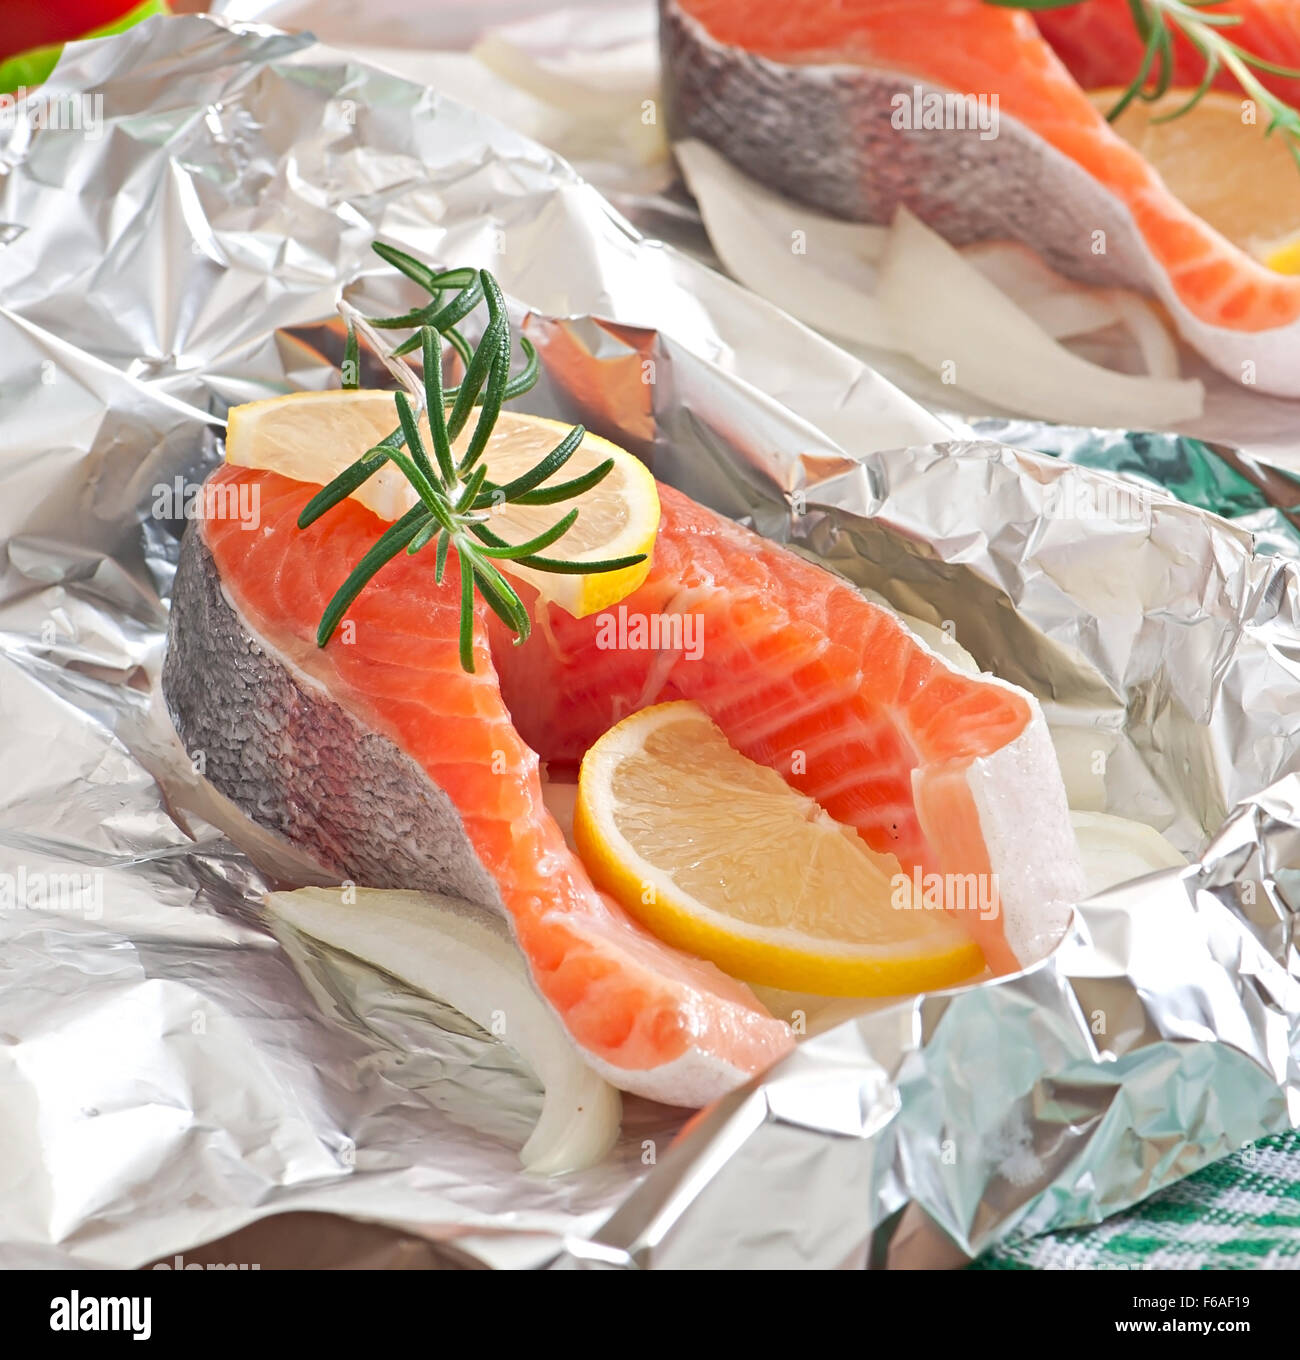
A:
[35,23]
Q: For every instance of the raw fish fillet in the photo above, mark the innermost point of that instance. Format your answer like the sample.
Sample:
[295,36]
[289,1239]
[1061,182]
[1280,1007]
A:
[951,773]
[392,767]
[802,96]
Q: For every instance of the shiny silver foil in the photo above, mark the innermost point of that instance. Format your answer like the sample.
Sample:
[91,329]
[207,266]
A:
[174,1075]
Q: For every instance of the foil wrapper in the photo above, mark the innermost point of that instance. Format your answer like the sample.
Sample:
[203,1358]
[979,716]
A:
[177,1079]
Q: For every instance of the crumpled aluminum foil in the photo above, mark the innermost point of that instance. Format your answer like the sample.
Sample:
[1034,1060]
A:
[174,1075]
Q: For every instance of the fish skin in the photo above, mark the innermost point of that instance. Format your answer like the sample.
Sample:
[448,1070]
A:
[813,121]
[827,141]
[245,683]
[347,779]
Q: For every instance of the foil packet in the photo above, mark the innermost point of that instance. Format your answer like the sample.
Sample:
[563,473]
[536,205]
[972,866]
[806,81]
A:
[176,1079]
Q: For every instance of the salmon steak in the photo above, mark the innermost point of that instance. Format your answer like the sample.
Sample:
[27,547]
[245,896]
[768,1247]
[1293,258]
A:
[390,766]
[809,97]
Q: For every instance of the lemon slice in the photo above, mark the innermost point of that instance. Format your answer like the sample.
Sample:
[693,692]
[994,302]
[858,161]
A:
[313,436]
[1225,170]
[720,857]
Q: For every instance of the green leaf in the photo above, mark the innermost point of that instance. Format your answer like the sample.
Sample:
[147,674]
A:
[350,479]
[439,318]
[351,361]
[411,429]
[581,568]
[493,400]
[499,593]
[1207,82]
[382,551]
[1148,58]
[432,281]
[433,403]
[553,565]
[467,498]
[462,348]
[466,613]
[478,372]
[549,465]
[565,491]
[543,540]
[526,379]
[431,530]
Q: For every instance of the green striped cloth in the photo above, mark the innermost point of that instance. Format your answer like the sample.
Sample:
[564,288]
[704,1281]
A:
[1242,1213]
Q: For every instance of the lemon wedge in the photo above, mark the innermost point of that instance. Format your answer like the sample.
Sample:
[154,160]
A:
[313,436]
[1243,183]
[719,856]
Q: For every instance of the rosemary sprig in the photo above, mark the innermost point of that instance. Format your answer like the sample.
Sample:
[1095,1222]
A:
[445,319]
[455,496]
[1156,22]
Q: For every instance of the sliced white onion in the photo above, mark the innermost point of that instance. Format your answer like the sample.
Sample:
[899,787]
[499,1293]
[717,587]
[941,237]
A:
[1159,352]
[948,316]
[1065,308]
[994,311]
[464,956]
[818,268]
[623,74]
[1065,315]
[611,92]
[1116,849]
[1061,307]
[1018,270]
